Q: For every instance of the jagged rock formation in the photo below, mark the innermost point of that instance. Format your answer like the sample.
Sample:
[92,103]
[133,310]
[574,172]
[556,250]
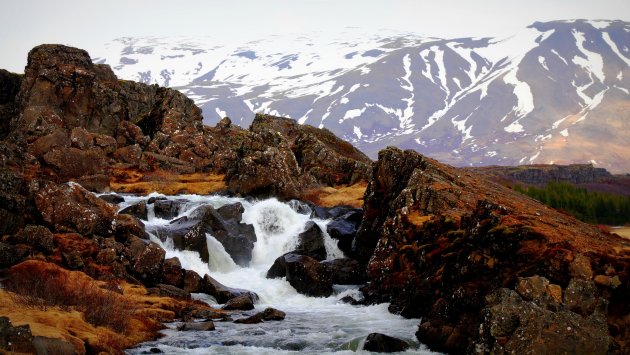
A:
[74,120]
[439,240]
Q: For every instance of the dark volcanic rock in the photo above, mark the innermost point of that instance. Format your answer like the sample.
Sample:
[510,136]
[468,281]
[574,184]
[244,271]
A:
[515,325]
[344,228]
[192,281]
[223,293]
[269,314]
[189,233]
[186,234]
[167,209]
[10,255]
[311,242]
[243,303]
[128,226]
[197,326]
[305,274]
[9,87]
[382,343]
[13,201]
[279,268]
[39,237]
[71,208]
[172,273]
[148,266]
[138,210]
[346,271]
[225,226]
[112,198]
[319,153]
[163,290]
[15,339]
[279,157]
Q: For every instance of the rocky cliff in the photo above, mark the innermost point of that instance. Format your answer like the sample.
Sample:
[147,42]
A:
[451,247]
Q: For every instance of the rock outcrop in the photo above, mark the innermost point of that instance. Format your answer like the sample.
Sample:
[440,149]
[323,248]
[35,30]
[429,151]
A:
[74,120]
[438,241]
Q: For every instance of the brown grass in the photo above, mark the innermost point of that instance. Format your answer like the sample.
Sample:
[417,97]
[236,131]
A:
[340,195]
[168,183]
[622,231]
[69,305]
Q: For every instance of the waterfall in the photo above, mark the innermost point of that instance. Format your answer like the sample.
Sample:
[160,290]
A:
[219,260]
[313,325]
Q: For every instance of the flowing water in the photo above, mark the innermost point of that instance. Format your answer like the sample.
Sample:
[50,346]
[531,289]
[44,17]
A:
[312,325]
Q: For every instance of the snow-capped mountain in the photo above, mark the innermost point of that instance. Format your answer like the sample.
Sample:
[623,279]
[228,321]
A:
[557,92]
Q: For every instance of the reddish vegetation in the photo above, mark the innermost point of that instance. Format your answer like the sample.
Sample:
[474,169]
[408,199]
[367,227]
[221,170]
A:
[92,315]
[165,182]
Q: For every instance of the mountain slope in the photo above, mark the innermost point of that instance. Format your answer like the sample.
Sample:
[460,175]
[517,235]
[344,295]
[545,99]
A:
[556,92]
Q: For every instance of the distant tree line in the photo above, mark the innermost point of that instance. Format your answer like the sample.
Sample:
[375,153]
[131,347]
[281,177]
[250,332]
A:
[590,207]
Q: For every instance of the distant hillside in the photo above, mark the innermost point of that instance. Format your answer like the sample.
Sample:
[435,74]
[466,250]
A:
[581,175]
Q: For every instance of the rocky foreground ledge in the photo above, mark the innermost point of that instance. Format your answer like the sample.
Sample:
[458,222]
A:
[487,269]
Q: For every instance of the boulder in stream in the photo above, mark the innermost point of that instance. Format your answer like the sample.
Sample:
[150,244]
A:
[305,274]
[224,224]
[382,343]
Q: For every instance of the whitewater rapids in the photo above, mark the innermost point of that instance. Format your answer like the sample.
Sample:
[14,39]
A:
[312,325]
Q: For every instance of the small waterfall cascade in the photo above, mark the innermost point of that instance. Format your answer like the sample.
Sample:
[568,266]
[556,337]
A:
[312,325]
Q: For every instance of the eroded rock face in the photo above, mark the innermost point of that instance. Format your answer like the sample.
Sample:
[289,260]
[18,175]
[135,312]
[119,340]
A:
[68,107]
[438,240]
[279,157]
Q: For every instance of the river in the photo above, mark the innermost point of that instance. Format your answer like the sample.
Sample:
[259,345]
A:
[313,325]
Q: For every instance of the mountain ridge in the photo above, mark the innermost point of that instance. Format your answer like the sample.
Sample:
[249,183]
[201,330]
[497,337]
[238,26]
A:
[557,92]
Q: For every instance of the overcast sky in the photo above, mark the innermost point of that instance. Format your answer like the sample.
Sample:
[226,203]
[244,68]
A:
[89,24]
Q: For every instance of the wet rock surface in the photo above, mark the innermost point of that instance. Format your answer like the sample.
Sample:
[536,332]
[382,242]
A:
[346,271]
[243,303]
[311,242]
[189,232]
[305,274]
[269,314]
[344,226]
[197,326]
[382,343]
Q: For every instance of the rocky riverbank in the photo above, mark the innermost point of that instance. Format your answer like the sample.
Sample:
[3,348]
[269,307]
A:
[487,269]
